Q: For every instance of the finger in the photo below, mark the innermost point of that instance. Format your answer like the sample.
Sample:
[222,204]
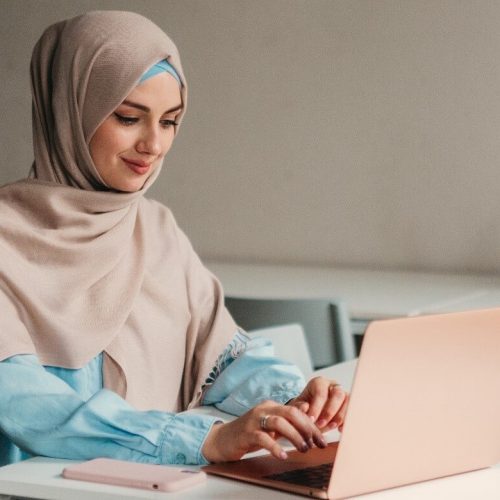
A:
[318,389]
[302,405]
[305,427]
[336,397]
[284,427]
[338,420]
[340,416]
[264,440]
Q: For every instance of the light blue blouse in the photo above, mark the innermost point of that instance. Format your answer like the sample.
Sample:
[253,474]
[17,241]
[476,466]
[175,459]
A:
[65,413]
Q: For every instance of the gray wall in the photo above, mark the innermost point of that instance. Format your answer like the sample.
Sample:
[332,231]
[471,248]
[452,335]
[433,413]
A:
[328,132]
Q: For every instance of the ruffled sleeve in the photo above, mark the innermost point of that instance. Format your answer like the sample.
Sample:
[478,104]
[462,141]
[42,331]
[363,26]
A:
[247,373]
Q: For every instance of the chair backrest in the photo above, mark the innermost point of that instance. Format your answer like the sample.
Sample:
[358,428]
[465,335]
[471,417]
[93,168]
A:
[289,344]
[325,322]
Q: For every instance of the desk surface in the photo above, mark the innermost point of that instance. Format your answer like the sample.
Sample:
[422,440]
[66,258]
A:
[40,478]
[368,294]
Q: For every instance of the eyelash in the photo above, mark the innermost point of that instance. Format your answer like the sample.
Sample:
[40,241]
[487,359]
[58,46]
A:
[131,120]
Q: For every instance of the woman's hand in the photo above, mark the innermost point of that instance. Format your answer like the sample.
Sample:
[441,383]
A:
[324,401]
[260,428]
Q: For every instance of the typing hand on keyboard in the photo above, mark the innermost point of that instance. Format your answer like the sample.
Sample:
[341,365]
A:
[259,428]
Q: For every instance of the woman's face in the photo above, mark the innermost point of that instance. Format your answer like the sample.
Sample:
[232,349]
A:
[131,142]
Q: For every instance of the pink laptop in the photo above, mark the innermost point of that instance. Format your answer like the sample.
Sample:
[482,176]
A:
[425,404]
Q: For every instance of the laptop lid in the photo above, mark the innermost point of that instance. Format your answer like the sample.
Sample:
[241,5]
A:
[425,402]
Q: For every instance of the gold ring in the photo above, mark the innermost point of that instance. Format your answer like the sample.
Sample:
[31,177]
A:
[263,422]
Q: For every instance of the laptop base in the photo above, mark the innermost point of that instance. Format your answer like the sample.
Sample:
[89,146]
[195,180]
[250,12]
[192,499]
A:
[254,470]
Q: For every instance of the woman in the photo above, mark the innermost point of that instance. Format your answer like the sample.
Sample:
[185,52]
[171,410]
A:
[111,327]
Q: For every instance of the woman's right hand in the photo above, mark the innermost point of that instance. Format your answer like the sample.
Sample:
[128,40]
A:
[228,442]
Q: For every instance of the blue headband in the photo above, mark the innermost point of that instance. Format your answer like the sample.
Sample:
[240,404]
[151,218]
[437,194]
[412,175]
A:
[160,67]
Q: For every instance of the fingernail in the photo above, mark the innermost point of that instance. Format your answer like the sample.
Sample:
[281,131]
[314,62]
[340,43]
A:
[310,442]
[334,424]
[321,422]
[304,447]
[312,417]
[322,442]
[283,455]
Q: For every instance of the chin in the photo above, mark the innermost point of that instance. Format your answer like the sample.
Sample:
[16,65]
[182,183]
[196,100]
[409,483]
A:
[126,183]
[129,189]
[125,187]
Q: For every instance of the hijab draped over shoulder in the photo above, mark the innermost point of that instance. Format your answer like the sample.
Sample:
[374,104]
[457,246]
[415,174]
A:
[85,269]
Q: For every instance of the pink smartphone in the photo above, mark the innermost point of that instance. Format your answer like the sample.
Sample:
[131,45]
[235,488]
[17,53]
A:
[135,475]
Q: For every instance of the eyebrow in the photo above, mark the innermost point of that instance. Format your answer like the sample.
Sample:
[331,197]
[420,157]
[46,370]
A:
[147,110]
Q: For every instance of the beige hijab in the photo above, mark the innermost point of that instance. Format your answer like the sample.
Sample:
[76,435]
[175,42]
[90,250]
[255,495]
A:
[84,269]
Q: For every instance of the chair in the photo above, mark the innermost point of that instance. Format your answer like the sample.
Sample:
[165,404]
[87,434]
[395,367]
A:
[289,344]
[325,322]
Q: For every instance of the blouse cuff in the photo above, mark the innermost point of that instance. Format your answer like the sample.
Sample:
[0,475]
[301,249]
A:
[240,401]
[186,432]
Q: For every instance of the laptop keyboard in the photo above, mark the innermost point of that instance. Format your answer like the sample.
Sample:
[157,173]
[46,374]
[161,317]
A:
[315,477]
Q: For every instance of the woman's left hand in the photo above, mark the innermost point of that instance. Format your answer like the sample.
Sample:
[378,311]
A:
[324,401]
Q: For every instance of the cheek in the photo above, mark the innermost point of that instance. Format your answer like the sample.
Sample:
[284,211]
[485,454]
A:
[109,140]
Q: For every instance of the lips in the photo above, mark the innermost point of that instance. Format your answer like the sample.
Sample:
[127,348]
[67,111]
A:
[138,166]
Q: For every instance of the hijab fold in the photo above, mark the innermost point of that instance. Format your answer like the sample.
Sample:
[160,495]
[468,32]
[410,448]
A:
[86,269]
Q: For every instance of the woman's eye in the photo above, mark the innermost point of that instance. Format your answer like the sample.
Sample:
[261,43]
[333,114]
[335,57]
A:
[168,123]
[126,120]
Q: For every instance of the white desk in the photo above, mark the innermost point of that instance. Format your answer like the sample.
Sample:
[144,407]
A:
[369,294]
[40,478]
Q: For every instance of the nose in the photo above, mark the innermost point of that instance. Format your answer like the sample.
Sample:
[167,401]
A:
[150,142]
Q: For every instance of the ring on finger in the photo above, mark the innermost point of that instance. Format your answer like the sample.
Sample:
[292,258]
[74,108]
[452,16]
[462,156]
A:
[263,422]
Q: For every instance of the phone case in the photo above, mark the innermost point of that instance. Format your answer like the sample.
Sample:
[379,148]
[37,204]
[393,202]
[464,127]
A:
[135,475]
